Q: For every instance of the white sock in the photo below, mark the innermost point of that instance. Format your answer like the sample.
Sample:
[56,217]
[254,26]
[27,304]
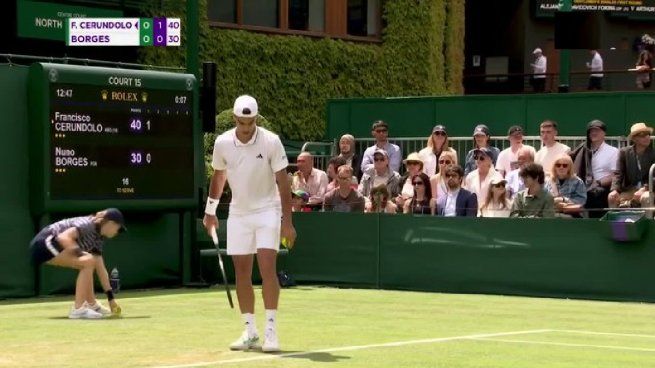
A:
[249,321]
[271,319]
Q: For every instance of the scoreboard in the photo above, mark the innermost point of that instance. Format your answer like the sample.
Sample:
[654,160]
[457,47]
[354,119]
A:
[104,137]
[159,31]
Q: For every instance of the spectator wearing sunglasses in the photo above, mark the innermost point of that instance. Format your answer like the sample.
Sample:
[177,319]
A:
[436,146]
[419,204]
[481,138]
[567,189]
[344,198]
[379,201]
[380,132]
[496,204]
[514,182]
[413,166]
[550,147]
[478,180]
[507,159]
[438,181]
[380,174]
[534,201]
[458,201]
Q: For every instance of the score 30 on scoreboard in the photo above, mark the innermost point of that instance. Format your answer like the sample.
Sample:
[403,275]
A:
[159,31]
[106,137]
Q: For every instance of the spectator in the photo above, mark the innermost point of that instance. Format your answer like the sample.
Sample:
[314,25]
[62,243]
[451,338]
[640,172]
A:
[539,68]
[334,163]
[534,201]
[630,185]
[310,179]
[644,63]
[299,199]
[437,144]
[550,147]
[438,181]
[514,182]
[380,132]
[413,166]
[380,174]
[347,150]
[344,198]
[457,201]
[419,204]
[496,204]
[568,190]
[481,138]
[478,180]
[594,161]
[379,201]
[596,67]
[507,159]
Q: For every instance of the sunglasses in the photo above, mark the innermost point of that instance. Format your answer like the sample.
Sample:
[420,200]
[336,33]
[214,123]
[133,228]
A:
[381,130]
[412,163]
[452,176]
[499,185]
[378,159]
[342,178]
[642,134]
[479,158]
[440,133]
[559,166]
[418,183]
[445,162]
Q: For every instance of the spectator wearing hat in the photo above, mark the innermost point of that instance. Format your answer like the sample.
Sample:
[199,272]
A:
[438,181]
[299,199]
[507,159]
[594,161]
[333,164]
[539,68]
[514,181]
[458,202]
[567,189]
[550,147]
[380,174]
[496,204]
[630,185]
[379,201]
[478,180]
[347,150]
[380,131]
[310,179]
[480,140]
[437,143]
[413,166]
[534,201]
[344,198]
[420,202]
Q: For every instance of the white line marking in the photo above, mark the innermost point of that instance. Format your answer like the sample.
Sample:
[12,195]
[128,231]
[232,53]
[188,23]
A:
[604,333]
[353,348]
[613,347]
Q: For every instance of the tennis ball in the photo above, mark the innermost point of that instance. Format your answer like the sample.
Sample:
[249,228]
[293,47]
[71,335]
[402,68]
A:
[285,242]
[116,311]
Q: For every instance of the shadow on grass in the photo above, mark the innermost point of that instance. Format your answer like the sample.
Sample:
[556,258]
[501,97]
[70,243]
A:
[104,319]
[317,356]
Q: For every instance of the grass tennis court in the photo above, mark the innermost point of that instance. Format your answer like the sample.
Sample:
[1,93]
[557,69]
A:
[328,327]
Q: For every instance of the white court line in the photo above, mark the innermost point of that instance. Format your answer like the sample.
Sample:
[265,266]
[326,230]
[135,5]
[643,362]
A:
[613,347]
[604,333]
[353,348]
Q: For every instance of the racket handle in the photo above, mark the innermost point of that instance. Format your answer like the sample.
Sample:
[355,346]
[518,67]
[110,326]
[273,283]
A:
[214,235]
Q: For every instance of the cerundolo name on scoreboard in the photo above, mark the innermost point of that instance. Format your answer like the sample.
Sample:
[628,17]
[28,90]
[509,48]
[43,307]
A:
[158,31]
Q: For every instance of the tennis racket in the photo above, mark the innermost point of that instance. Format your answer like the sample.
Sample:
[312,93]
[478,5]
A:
[220,265]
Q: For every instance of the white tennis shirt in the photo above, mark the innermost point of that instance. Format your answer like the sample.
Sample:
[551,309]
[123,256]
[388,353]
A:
[250,169]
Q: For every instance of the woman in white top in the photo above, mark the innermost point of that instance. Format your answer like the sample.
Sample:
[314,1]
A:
[477,181]
[496,204]
[414,166]
[438,183]
[436,146]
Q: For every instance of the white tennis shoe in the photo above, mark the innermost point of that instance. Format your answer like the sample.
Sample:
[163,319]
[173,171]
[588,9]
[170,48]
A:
[99,308]
[245,342]
[83,313]
[271,343]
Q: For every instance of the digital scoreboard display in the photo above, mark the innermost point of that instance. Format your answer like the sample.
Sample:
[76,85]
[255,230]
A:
[110,137]
[624,8]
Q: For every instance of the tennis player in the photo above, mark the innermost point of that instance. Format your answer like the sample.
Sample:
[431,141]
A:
[77,243]
[252,160]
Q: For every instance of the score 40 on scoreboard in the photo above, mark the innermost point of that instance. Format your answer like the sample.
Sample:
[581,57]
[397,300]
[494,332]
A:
[112,138]
[159,31]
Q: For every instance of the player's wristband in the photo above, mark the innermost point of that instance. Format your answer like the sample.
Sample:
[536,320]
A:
[211,206]
[110,295]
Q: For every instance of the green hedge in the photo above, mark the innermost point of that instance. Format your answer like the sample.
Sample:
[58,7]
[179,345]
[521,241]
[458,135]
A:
[293,76]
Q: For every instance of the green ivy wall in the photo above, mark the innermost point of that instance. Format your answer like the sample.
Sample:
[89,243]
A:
[422,53]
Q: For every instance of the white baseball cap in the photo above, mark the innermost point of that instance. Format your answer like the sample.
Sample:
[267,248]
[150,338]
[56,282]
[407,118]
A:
[245,107]
[537,51]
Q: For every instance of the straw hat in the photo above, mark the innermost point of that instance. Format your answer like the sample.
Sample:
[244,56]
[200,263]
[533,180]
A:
[413,157]
[639,128]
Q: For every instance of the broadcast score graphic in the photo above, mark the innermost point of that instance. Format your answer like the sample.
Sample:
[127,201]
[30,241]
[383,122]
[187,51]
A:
[158,31]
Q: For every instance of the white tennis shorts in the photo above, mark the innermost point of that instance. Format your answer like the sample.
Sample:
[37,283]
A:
[247,233]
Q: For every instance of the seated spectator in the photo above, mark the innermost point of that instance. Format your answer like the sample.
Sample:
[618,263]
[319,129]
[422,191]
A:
[438,181]
[514,182]
[496,204]
[594,161]
[419,204]
[550,147]
[347,150]
[379,201]
[413,166]
[380,131]
[534,201]
[457,201]
[309,179]
[380,174]
[507,159]
[437,144]
[299,200]
[481,140]
[567,189]
[478,180]
[344,198]
[334,163]
[630,185]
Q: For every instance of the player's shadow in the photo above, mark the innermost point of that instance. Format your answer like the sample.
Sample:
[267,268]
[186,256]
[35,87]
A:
[106,318]
[323,357]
